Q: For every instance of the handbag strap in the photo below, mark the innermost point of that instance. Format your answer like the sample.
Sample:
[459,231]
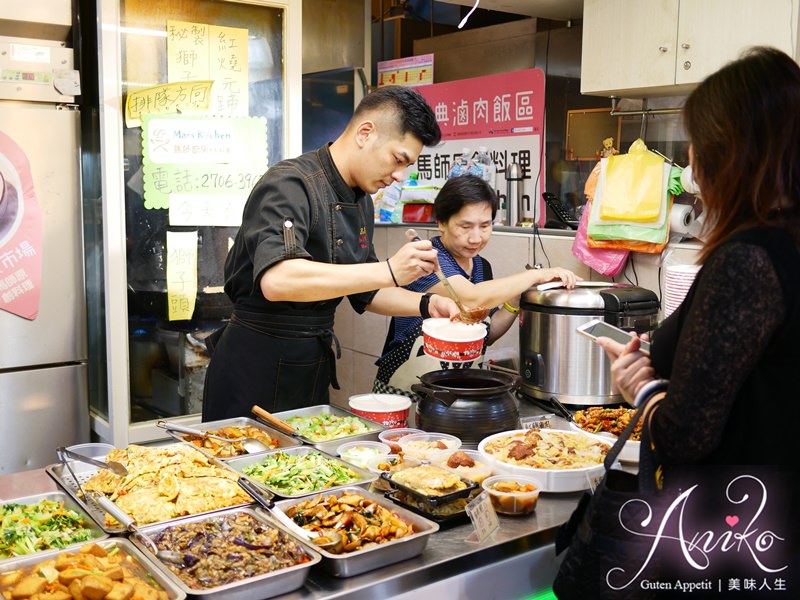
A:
[647,462]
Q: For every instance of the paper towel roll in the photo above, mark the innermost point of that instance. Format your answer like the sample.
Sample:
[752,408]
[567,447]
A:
[681,218]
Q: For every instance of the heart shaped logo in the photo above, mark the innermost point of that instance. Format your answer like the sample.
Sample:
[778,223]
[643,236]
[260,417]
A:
[731,520]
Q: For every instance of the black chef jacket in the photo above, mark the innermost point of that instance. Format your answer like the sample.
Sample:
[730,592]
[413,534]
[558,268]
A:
[279,354]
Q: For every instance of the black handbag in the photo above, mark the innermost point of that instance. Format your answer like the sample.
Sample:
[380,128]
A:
[603,559]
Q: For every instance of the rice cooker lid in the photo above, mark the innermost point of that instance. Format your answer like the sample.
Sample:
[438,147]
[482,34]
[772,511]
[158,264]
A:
[611,297]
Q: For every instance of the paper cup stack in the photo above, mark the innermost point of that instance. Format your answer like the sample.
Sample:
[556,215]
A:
[677,281]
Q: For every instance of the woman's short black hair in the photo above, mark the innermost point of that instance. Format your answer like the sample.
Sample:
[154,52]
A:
[462,190]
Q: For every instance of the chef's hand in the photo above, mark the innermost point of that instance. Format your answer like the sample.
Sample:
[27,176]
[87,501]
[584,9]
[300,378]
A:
[413,260]
[630,367]
[565,275]
[442,306]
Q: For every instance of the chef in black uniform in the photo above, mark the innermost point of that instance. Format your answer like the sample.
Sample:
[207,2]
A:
[304,244]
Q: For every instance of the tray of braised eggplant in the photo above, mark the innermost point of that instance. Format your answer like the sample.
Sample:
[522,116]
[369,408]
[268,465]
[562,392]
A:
[230,555]
[367,530]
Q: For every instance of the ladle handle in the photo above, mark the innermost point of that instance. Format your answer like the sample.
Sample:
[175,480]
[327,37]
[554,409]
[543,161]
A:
[190,430]
[413,237]
[272,420]
[128,522]
[268,504]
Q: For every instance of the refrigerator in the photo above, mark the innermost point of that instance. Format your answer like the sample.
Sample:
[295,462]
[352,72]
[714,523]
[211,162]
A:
[43,352]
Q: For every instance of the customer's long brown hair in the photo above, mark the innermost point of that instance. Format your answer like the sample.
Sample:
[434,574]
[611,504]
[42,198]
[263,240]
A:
[744,125]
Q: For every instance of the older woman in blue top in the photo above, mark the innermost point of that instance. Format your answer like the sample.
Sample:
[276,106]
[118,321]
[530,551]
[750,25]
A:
[464,209]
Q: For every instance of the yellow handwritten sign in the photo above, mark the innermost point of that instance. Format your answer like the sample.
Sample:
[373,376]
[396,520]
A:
[199,51]
[180,97]
[181,274]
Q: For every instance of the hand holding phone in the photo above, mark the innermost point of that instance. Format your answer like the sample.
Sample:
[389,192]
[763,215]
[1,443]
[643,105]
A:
[597,328]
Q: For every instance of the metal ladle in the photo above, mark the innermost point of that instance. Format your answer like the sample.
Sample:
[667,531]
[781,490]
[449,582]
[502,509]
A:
[469,316]
[250,445]
[129,523]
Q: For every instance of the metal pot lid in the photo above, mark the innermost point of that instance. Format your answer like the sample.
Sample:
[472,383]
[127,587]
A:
[585,295]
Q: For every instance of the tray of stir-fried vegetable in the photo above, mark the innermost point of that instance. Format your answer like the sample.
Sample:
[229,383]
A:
[42,523]
[299,471]
[326,427]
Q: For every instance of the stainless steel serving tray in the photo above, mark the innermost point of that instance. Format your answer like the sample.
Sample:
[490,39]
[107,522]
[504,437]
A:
[84,472]
[69,503]
[330,446]
[173,592]
[284,441]
[380,555]
[261,586]
[240,463]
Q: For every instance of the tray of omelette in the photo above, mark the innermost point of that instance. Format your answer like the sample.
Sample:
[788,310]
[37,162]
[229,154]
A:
[163,483]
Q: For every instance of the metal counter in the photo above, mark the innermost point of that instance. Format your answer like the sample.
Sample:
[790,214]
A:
[520,553]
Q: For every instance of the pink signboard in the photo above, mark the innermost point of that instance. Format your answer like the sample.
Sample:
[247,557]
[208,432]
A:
[20,233]
[503,112]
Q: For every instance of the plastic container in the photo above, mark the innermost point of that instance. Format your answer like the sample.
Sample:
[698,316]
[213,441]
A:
[387,200]
[427,446]
[485,162]
[452,341]
[392,437]
[460,164]
[359,453]
[483,467]
[520,499]
[389,463]
[390,410]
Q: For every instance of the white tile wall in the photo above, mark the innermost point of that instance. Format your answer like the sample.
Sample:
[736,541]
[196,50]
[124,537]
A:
[362,336]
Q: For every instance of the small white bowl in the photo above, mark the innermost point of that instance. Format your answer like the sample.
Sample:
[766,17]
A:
[392,437]
[513,503]
[422,445]
[358,453]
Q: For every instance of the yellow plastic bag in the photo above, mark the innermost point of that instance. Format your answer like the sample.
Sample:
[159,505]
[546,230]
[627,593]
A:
[633,185]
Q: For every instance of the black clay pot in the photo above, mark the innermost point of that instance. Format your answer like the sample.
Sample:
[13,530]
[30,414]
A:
[468,403]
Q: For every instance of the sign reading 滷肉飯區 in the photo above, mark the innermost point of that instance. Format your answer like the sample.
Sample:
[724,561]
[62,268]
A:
[505,113]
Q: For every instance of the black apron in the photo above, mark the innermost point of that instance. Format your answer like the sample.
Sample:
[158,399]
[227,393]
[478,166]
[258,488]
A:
[283,361]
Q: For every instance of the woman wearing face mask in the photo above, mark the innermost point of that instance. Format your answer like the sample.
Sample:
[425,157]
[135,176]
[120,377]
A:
[464,209]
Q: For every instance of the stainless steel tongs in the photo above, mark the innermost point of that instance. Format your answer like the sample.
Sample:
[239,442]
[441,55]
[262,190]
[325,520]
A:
[111,465]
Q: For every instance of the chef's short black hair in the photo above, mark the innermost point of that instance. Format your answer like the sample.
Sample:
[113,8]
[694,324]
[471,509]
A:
[413,114]
[461,190]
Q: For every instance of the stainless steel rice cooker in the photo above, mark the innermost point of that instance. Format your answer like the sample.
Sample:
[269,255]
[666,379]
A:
[555,360]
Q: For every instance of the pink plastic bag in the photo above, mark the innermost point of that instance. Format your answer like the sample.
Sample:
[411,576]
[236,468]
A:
[605,261]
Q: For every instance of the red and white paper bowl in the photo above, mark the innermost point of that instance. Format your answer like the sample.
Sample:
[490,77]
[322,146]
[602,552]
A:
[452,340]
[390,410]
